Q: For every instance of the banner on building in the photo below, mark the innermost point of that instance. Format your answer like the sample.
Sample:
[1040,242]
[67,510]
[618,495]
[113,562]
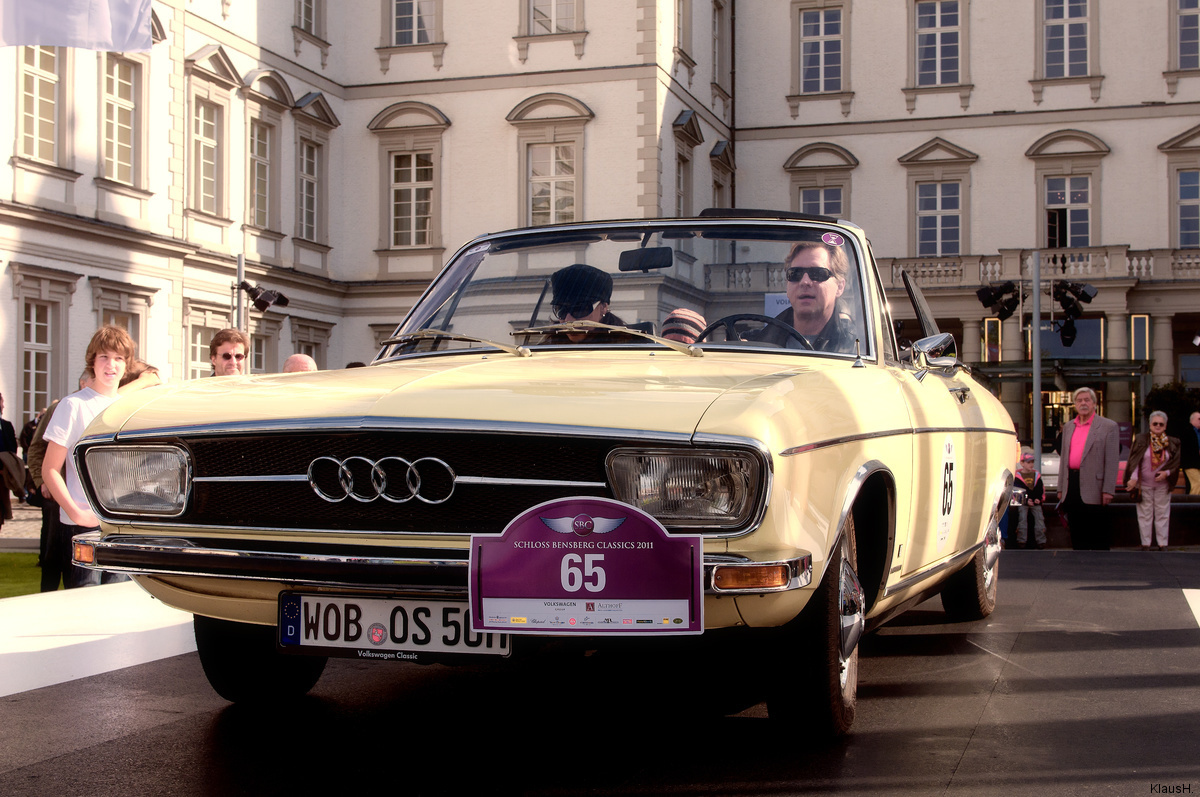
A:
[113,25]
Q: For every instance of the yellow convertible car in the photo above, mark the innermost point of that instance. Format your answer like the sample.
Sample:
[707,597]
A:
[699,428]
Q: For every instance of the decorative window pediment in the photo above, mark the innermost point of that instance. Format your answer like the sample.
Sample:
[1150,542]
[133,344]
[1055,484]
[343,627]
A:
[1066,143]
[157,32]
[1187,141]
[213,64]
[409,115]
[315,108]
[549,107]
[938,151]
[269,87]
[821,156]
[687,129]
[721,156]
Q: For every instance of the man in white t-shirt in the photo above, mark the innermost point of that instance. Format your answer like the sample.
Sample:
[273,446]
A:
[109,351]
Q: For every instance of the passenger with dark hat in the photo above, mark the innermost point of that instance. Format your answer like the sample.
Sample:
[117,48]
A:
[581,293]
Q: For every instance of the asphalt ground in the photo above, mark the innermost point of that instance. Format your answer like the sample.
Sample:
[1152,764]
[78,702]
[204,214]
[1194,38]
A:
[1085,681]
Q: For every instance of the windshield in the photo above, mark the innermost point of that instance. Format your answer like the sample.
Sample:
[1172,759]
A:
[791,287]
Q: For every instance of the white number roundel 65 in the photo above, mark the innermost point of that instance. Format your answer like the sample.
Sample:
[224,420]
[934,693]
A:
[950,476]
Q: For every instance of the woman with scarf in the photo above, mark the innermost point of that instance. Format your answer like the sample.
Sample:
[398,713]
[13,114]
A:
[1153,467]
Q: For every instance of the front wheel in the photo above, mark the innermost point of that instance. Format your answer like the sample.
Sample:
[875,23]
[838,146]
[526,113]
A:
[815,688]
[970,594]
[242,664]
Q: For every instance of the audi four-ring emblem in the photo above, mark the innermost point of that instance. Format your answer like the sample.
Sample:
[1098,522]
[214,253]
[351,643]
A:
[394,479]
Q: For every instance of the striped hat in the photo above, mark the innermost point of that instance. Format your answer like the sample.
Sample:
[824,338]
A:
[683,325]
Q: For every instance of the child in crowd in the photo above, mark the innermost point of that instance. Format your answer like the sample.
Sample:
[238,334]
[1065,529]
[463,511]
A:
[1030,480]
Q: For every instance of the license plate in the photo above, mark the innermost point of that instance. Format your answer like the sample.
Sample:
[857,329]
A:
[381,628]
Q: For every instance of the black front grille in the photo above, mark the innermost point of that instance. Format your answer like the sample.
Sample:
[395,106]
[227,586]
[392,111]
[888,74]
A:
[471,508]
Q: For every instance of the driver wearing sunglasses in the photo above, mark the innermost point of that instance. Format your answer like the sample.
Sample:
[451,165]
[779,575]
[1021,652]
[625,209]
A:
[816,278]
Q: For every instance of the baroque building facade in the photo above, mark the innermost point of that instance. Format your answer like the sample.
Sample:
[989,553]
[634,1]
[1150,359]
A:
[342,151]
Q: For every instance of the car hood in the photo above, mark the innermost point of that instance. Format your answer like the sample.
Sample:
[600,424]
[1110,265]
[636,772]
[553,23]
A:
[661,392]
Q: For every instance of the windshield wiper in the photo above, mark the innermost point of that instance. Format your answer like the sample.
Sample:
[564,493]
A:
[596,326]
[439,334]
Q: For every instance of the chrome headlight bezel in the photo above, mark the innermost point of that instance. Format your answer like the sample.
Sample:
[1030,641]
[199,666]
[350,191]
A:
[641,477]
[115,473]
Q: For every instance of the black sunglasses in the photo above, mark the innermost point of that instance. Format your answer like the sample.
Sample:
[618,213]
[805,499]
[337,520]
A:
[577,310]
[815,273]
[227,356]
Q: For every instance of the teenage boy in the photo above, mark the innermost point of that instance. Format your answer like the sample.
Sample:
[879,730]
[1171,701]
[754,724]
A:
[108,353]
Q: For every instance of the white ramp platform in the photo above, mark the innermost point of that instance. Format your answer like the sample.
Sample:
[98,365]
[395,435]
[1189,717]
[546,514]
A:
[54,637]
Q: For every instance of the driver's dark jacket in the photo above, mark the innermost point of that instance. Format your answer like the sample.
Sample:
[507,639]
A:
[836,336]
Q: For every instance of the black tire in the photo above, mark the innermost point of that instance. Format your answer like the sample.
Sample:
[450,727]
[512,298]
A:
[815,690]
[970,594]
[243,666]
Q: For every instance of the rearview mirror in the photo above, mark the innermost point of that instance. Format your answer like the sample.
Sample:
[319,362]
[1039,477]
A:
[645,259]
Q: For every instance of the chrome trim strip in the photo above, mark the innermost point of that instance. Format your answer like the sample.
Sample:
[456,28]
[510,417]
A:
[865,471]
[303,477]
[924,575]
[384,423]
[527,482]
[837,441]
[940,429]
[854,438]
[174,548]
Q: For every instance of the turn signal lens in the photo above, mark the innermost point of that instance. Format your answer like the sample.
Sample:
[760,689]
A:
[83,553]
[751,577]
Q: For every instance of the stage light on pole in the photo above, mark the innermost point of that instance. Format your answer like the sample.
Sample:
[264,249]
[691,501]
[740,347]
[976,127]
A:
[1067,332]
[1002,300]
[263,297]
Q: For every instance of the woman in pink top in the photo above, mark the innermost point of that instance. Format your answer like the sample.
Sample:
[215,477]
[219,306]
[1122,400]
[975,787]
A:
[1154,467]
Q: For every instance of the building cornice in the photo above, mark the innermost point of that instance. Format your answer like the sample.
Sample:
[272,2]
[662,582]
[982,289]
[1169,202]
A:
[472,83]
[936,124]
[107,232]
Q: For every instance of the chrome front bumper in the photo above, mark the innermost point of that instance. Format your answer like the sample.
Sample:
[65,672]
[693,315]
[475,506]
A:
[411,570]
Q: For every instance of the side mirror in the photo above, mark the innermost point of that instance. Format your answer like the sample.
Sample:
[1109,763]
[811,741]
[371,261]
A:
[936,353]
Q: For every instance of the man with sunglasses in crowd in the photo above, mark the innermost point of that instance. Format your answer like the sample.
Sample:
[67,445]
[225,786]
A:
[227,352]
[816,277]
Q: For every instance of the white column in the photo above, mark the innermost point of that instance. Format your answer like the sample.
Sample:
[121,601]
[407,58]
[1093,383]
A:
[1012,394]
[971,345]
[1164,349]
[1118,406]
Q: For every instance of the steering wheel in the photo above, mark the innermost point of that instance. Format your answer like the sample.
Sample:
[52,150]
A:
[731,333]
